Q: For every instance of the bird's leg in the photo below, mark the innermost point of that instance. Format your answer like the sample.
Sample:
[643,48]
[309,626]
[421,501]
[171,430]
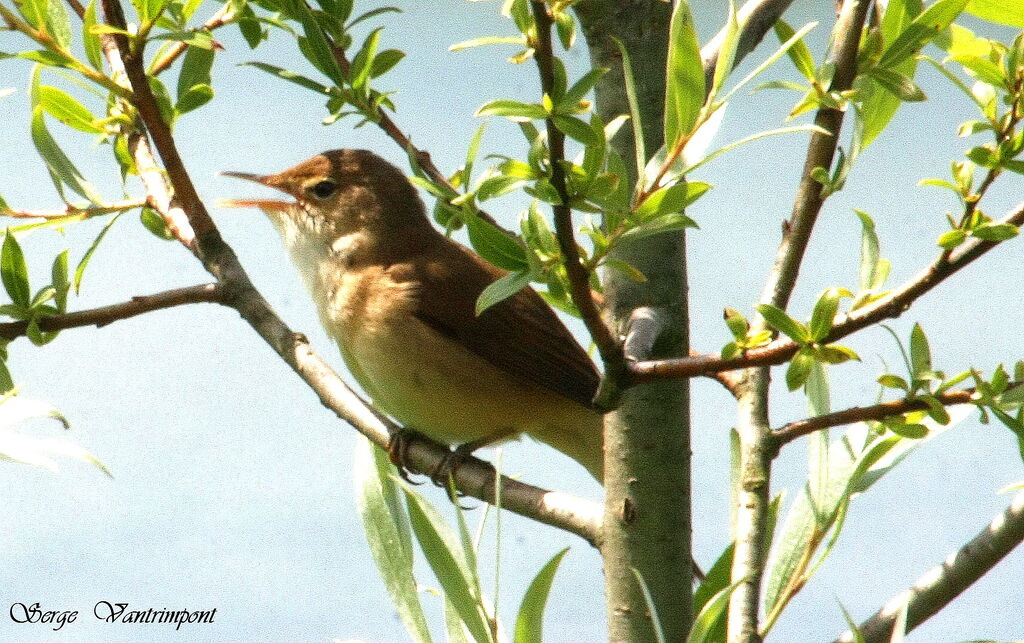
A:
[451,463]
[398,451]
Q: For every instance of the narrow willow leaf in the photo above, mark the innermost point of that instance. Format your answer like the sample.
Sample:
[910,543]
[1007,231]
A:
[66,109]
[753,137]
[513,109]
[387,534]
[14,271]
[799,53]
[726,53]
[291,76]
[824,313]
[488,40]
[58,24]
[652,609]
[446,565]
[60,166]
[385,61]
[634,108]
[501,290]
[495,245]
[530,620]
[770,60]
[91,41]
[684,91]
[920,353]
[87,257]
[704,626]
[195,70]
[59,279]
[359,72]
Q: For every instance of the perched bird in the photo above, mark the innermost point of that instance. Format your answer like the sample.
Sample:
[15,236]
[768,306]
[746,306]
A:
[399,298]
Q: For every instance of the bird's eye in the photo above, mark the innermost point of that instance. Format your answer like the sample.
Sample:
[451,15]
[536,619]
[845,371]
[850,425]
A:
[323,189]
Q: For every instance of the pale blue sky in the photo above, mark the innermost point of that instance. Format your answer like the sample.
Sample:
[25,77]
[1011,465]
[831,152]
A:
[231,483]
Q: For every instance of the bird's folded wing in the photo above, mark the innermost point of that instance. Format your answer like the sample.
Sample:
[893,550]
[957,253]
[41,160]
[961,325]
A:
[520,335]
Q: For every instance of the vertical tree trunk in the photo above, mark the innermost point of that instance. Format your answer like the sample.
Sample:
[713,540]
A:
[647,461]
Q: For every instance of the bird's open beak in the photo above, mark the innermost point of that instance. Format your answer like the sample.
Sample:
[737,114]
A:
[264,204]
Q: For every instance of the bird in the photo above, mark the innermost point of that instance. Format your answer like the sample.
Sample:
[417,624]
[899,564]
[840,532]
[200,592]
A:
[398,296]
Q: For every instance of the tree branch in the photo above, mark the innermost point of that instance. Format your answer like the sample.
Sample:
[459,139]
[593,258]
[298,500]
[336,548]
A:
[474,477]
[579,276]
[940,585]
[800,428]
[820,152]
[219,18]
[780,350]
[99,317]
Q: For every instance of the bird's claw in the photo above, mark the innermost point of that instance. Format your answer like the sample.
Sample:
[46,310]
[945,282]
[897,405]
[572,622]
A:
[398,453]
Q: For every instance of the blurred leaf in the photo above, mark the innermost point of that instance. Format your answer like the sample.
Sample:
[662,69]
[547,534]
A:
[40,452]
[565,26]
[684,91]
[824,313]
[704,625]
[667,223]
[387,534]
[726,53]
[385,61]
[634,106]
[1003,12]
[576,129]
[201,39]
[983,69]
[501,290]
[652,609]
[291,77]
[799,369]
[58,24]
[488,40]
[920,31]
[446,564]
[494,245]
[664,201]
[59,278]
[530,620]
[14,271]
[66,109]
[90,41]
[995,231]
[359,72]
[898,85]
[920,353]
[155,223]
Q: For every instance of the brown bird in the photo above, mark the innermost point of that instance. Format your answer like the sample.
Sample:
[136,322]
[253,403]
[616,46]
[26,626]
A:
[399,298]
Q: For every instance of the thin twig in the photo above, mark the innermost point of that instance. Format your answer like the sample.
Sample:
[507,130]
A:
[99,317]
[73,211]
[800,428]
[474,477]
[221,17]
[579,277]
[940,585]
[779,351]
[820,151]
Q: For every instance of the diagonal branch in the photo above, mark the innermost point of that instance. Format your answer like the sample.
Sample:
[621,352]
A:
[99,317]
[474,477]
[820,152]
[780,350]
[579,276]
[221,17]
[940,585]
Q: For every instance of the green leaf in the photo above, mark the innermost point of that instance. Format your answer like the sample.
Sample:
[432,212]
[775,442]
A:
[80,270]
[496,246]
[446,565]
[201,39]
[634,106]
[799,53]
[582,87]
[1003,12]
[995,231]
[652,608]
[664,201]
[513,109]
[684,91]
[90,41]
[983,69]
[62,170]
[163,99]
[59,277]
[152,221]
[385,61]
[194,98]
[799,369]
[674,221]
[501,290]
[530,620]
[14,271]
[66,109]
[780,321]
[824,313]
[920,353]
[387,533]
[921,30]
[893,381]
[704,626]
[625,268]
[488,40]
[737,323]
[952,239]
[869,253]
[58,24]
[291,77]
[911,431]
[899,85]
[577,129]
[565,26]
[195,70]
[726,53]
[835,354]
[359,72]
[879,107]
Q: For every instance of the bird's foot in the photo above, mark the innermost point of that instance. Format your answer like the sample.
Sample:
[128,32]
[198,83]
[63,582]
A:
[398,452]
[444,475]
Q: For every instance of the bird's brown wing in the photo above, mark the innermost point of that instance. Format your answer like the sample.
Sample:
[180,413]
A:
[520,335]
